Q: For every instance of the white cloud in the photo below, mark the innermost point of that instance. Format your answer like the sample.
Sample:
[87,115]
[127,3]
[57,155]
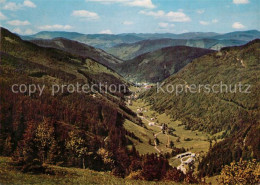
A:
[200,11]
[240,1]
[238,25]
[106,32]
[165,25]
[170,16]
[18,23]
[128,23]
[55,27]
[85,14]
[204,23]
[12,6]
[137,3]
[214,21]
[142,3]
[2,16]
[29,4]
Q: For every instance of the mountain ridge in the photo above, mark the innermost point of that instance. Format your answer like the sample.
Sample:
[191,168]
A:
[79,49]
[104,41]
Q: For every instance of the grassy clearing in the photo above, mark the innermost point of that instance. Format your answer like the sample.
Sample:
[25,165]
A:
[198,143]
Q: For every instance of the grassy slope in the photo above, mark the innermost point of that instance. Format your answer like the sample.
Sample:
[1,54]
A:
[160,64]
[211,112]
[62,175]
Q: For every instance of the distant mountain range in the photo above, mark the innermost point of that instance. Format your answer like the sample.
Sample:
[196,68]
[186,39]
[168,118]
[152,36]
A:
[105,41]
[128,51]
[158,65]
[96,40]
[146,60]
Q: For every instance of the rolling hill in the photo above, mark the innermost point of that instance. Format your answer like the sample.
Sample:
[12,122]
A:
[79,49]
[158,65]
[131,50]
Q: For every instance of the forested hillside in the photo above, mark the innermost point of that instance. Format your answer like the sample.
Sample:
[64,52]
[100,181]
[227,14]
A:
[208,110]
[156,66]
[83,130]
[80,49]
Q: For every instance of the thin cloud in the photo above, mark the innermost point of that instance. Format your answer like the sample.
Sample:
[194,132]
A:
[200,11]
[204,23]
[18,23]
[165,25]
[55,27]
[136,3]
[85,14]
[237,25]
[240,1]
[170,16]
[2,16]
[214,21]
[128,23]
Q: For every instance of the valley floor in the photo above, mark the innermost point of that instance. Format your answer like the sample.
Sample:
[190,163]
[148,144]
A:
[193,141]
[196,142]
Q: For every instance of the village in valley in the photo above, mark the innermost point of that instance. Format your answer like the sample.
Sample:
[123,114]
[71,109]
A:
[163,139]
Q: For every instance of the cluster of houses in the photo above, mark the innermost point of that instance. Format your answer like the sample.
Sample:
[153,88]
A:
[190,161]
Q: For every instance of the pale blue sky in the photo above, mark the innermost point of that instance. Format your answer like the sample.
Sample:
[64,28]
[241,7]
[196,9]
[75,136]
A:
[128,16]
